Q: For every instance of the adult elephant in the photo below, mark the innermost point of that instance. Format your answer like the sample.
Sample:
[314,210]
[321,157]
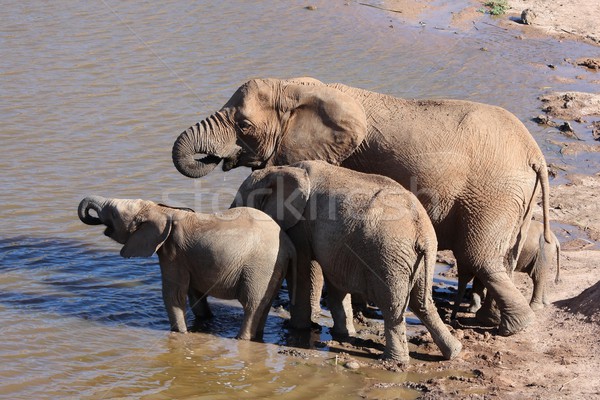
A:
[474,167]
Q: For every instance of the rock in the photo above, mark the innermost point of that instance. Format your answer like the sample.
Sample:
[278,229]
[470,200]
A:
[591,63]
[311,8]
[595,130]
[570,105]
[528,16]
[544,119]
[566,128]
[352,365]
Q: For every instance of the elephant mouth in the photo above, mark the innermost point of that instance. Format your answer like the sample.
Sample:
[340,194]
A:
[229,164]
[242,158]
[208,159]
[259,165]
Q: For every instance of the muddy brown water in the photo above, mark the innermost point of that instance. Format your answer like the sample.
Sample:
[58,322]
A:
[93,95]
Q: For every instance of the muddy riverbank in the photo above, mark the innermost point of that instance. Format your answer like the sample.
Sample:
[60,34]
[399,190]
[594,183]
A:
[559,355]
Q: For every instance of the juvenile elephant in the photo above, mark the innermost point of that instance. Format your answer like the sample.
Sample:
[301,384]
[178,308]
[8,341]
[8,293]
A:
[237,254]
[474,167]
[537,259]
[369,235]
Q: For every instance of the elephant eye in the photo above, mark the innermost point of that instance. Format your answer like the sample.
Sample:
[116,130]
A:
[244,124]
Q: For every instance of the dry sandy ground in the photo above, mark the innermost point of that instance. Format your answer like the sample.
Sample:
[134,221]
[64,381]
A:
[565,19]
[569,19]
[558,356]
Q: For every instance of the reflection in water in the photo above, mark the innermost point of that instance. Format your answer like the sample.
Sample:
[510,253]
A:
[93,96]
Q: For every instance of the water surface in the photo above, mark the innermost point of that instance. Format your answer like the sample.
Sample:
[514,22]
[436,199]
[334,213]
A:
[92,96]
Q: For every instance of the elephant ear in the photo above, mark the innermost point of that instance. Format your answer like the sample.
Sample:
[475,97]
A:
[323,124]
[151,234]
[280,192]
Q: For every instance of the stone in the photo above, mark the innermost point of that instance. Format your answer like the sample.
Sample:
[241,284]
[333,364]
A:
[528,16]
[352,365]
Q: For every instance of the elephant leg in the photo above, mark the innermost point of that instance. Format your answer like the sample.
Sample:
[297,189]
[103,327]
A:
[260,327]
[272,291]
[340,305]
[478,293]
[545,300]
[396,344]
[316,288]
[392,302]
[538,297]
[174,291]
[252,316]
[463,279]
[300,309]
[539,277]
[492,256]
[488,313]
[422,305]
[514,310]
[262,313]
[199,304]
[360,305]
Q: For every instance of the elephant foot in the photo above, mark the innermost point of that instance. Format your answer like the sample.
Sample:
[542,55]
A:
[473,308]
[511,324]
[451,349]
[487,316]
[398,359]
[316,314]
[300,320]
[301,327]
[243,336]
[343,330]
[258,337]
[536,306]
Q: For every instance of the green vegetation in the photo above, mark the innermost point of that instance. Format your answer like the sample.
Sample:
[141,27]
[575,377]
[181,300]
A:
[495,7]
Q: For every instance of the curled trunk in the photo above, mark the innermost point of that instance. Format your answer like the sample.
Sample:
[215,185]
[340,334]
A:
[200,148]
[91,202]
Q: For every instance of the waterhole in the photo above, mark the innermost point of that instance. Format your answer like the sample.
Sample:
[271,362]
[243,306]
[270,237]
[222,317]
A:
[93,94]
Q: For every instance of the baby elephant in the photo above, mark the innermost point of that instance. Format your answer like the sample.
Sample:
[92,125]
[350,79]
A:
[369,235]
[537,259]
[238,254]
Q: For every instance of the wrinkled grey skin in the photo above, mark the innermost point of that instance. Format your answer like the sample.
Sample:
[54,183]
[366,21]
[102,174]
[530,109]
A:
[238,254]
[537,259]
[369,235]
[474,167]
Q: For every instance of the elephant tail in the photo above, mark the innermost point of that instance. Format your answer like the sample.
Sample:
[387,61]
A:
[541,170]
[557,278]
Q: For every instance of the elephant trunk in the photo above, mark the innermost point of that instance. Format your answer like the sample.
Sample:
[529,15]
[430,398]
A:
[210,139]
[95,203]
